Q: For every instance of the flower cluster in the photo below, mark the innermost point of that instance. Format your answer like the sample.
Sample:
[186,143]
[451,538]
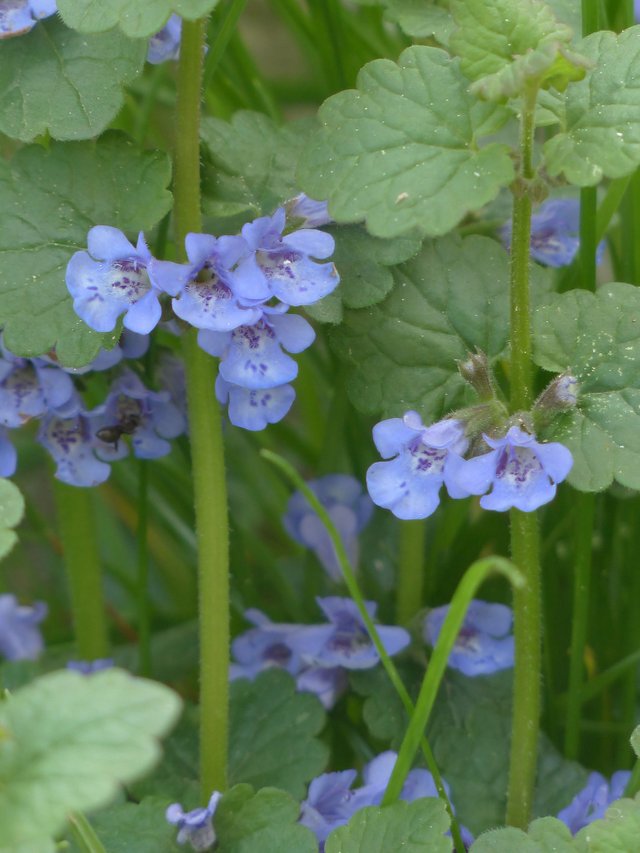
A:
[484,643]
[20,637]
[317,656]
[236,290]
[331,801]
[555,233]
[349,510]
[518,471]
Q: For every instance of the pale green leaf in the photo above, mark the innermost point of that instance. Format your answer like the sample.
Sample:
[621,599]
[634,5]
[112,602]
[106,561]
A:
[597,338]
[400,151]
[448,300]
[410,827]
[57,81]
[68,742]
[617,832]
[600,116]
[546,835]
[137,19]
[507,45]
[635,741]
[49,199]
[11,512]
[419,19]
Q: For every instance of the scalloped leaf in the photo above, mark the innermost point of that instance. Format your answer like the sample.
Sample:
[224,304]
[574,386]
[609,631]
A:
[448,300]
[600,116]
[507,45]
[597,338]
[420,20]
[11,512]
[410,827]
[137,20]
[400,150]
[49,199]
[546,835]
[68,742]
[57,81]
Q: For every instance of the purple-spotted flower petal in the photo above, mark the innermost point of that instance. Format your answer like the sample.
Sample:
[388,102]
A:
[349,509]
[555,233]
[19,16]
[29,388]
[254,410]
[265,646]
[111,280]
[329,803]
[195,826]
[20,637]
[71,441]
[409,485]
[345,641]
[521,472]
[593,800]
[305,212]
[165,44]
[485,642]
[282,266]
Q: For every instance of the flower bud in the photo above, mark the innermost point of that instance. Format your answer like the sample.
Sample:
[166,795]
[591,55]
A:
[476,371]
[560,394]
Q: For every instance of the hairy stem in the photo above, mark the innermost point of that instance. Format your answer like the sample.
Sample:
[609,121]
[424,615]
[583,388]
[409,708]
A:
[411,566]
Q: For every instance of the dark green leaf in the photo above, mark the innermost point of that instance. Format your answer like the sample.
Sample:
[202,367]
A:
[400,150]
[137,20]
[596,337]
[124,825]
[49,199]
[54,80]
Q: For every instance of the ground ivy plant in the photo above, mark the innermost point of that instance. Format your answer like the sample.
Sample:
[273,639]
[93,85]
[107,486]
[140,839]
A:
[319,386]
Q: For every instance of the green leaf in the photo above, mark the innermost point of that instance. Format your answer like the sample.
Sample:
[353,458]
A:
[410,827]
[265,821]
[600,116]
[54,80]
[400,151]
[635,741]
[421,21]
[145,822]
[547,835]
[49,199]
[617,832]
[253,164]
[11,512]
[595,337]
[137,20]
[69,741]
[448,300]
[508,45]
[273,733]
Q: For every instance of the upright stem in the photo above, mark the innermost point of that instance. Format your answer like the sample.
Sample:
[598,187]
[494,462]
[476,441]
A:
[144,616]
[207,453]
[525,537]
[411,566]
[77,526]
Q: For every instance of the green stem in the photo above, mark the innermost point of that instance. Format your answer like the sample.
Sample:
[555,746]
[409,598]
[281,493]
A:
[357,596]
[525,536]
[475,575]
[84,834]
[144,617]
[585,505]
[207,452]
[77,526]
[411,567]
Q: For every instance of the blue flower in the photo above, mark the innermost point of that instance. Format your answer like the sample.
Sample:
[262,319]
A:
[89,667]
[281,266]
[592,801]
[522,472]
[71,441]
[205,287]
[348,508]
[111,279]
[195,826]
[485,642]
[149,417]
[329,803]
[425,458]
[29,388]
[345,641]
[8,455]
[19,16]
[327,683]
[20,637]
[165,44]
[254,409]
[305,212]
[555,233]
[253,357]
[265,646]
